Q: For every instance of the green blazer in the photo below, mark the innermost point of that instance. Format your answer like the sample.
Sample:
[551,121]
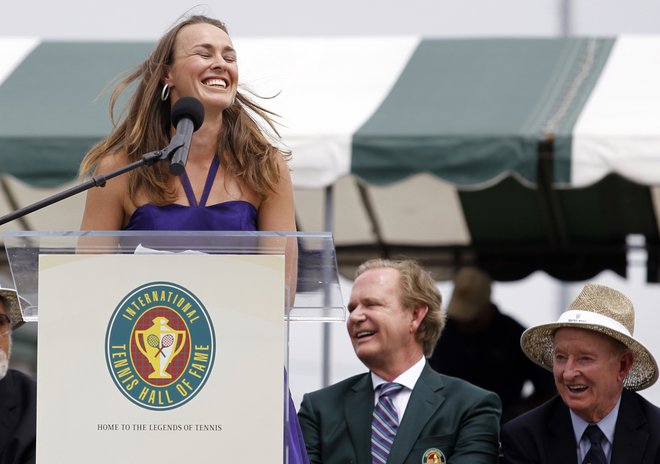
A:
[444,414]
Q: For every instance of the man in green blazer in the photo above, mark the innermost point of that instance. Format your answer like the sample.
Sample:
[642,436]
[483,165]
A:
[395,321]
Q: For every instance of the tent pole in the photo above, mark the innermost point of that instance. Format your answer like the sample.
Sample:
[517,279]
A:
[558,235]
[327,335]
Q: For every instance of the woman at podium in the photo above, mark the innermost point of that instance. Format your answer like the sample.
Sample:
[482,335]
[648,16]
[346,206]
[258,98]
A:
[235,178]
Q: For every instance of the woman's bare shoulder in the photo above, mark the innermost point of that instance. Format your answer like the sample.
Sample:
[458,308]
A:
[282,160]
[112,161]
[108,207]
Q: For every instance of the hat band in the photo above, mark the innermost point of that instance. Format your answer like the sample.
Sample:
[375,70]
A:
[588,317]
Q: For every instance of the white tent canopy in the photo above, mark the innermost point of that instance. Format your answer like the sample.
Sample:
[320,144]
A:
[448,150]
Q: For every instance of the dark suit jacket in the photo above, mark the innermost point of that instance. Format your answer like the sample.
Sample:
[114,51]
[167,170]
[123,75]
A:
[545,434]
[445,413]
[18,418]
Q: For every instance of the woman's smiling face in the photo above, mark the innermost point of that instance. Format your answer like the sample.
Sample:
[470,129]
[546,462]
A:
[204,66]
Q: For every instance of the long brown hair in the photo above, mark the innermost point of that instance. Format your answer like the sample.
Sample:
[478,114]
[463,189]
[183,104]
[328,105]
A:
[252,157]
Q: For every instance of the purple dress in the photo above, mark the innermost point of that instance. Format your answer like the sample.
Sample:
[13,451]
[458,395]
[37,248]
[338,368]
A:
[227,216]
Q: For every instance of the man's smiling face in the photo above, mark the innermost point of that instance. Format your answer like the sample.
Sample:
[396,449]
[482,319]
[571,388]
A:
[589,370]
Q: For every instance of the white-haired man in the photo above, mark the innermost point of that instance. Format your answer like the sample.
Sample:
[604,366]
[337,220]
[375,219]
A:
[598,418]
[18,392]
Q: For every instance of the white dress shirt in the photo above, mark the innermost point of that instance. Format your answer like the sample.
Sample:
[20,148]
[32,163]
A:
[408,379]
[606,425]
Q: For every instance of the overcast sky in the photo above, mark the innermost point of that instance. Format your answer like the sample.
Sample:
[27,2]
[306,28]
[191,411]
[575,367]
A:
[148,19]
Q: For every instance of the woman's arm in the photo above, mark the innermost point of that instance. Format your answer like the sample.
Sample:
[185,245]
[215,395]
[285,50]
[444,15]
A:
[277,213]
[105,206]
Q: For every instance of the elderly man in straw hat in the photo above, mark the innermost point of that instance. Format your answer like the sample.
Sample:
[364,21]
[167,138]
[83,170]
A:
[18,392]
[598,365]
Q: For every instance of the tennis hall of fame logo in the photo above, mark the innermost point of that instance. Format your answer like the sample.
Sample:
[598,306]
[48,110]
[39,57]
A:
[160,346]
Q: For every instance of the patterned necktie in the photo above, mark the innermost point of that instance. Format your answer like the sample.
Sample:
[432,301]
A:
[596,455]
[384,423]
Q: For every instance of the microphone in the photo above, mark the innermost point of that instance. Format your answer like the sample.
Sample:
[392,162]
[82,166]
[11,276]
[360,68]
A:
[187,116]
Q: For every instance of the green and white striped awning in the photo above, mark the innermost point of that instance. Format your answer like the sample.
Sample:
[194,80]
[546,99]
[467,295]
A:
[523,154]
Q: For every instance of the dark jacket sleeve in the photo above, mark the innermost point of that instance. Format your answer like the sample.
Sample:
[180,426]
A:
[310,426]
[477,431]
[542,435]
[18,429]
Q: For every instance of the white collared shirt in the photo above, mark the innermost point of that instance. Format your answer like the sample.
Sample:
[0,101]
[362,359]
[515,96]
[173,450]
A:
[606,425]
[408,379]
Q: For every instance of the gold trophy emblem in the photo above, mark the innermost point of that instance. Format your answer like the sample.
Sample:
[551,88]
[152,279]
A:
[163,344]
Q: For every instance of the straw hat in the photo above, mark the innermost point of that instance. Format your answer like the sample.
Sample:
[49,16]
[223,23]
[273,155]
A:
[471,294]
[12,307]
[601,309]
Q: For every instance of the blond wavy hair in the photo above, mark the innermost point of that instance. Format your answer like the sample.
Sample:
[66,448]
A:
[417,289]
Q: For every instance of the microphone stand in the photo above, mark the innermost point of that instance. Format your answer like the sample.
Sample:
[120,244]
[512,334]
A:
[147,159]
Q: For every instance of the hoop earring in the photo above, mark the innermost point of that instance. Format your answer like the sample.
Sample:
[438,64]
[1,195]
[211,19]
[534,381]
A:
[165,93]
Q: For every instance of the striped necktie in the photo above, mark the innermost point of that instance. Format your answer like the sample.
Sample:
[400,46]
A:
[596,455]
[384,423]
